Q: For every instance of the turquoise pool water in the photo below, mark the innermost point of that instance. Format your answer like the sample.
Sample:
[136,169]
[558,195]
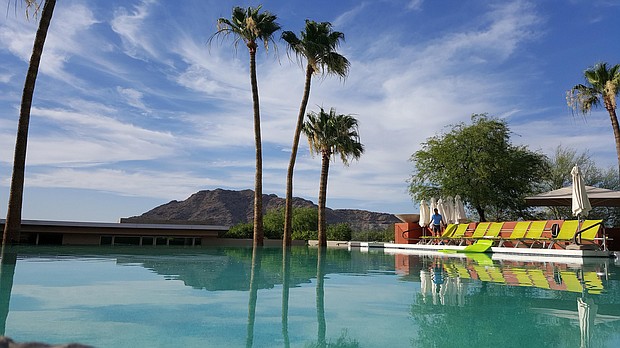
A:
[219,297]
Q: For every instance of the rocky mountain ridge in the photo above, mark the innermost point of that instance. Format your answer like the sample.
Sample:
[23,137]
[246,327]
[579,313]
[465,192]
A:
[229,207]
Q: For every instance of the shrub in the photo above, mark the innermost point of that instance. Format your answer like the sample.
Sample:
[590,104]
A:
[340,231]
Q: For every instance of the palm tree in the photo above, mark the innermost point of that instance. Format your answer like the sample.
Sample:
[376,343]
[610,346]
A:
[602,85]
[13,221]
[318,46]
[249,25]
[330,134]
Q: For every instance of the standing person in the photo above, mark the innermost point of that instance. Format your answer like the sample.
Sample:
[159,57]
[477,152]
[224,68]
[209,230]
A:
[436,219]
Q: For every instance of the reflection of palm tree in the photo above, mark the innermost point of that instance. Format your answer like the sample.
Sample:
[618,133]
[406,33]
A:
[13,221]
[254,276]
[7,271]
[320,296]
[286,277]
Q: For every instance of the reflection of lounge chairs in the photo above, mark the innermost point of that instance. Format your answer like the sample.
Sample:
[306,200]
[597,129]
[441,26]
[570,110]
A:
[569,278]
[538,278]
[593,282]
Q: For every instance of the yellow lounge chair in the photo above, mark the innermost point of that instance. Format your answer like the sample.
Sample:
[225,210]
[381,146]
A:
[479,232]
[518,233]
[459,234]
[588,231]
[534,233]
[447,233]
[566,234]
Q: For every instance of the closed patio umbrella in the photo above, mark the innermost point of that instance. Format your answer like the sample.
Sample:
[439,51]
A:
[459,209]
[449,206]
[425,214]
[580,202]
[441,207]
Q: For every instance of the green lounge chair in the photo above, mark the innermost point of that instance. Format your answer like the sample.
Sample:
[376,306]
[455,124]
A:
[458,235]
[446,234]
[493,231]
[518,233]
[534,234]
[589,229]
[566,234]
[479,232]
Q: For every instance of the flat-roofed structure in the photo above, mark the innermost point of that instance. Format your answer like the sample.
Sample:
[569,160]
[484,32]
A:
[104,233]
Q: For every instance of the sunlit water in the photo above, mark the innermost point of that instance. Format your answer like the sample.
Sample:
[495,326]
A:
[214,297]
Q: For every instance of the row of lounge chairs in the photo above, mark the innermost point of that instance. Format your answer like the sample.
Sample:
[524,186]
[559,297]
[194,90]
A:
[524,233]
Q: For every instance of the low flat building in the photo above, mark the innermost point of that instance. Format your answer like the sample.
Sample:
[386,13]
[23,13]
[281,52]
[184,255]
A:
[102,233]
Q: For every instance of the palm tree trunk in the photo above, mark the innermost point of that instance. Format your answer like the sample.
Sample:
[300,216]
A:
[616,128]
[286,285]
[320,297]
[13,221]
[288,209]
[258,178]
[323,199]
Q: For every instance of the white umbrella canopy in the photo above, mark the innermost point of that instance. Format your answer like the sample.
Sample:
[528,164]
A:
[448,205]
[580,202]
[425,214]
[441,207]
[433,205]
[459,209]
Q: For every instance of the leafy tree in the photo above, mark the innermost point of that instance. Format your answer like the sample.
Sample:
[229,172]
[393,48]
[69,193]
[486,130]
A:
[305,220]
[339,231]
[13,221]
[240,231]
[317,45]
[273,223]
[479,163]
[560,165]
[601,86]
[330,134]
[251,25]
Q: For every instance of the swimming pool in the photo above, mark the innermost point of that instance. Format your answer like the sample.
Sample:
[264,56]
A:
[232,297]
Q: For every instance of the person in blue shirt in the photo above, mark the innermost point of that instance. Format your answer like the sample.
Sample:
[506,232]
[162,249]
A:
[436,221]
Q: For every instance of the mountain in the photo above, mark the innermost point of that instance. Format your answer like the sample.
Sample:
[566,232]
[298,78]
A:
[228,208]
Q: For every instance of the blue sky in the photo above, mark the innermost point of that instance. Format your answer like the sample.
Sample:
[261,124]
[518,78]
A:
[133,109]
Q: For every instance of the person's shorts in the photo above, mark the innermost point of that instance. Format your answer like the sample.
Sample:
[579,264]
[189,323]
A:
[436,228]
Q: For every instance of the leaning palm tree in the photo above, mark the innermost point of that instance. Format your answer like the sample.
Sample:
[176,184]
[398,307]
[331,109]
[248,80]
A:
[602,86]
[330,134]
[317,46]
[13,221]
[250,25]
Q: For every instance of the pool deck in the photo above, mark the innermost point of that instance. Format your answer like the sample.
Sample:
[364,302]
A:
[525,253]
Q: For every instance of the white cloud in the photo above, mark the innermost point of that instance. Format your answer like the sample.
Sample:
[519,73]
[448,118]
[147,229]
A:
[129,25]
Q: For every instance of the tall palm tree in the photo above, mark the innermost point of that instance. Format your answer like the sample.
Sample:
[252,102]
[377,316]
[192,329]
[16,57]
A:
[330,134]
[251,25]
[13,221]
[317,46]
[602,86]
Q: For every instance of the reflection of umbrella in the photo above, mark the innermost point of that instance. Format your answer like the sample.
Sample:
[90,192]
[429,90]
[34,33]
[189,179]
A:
[587,314]
[425,215]
[459,209]
[581,204]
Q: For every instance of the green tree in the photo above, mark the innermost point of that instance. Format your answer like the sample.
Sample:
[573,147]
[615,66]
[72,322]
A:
[251,25]
[317,45]
[340,231]
[560,165]
[330,134]
[13,221]
[479,163]
[601,86]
